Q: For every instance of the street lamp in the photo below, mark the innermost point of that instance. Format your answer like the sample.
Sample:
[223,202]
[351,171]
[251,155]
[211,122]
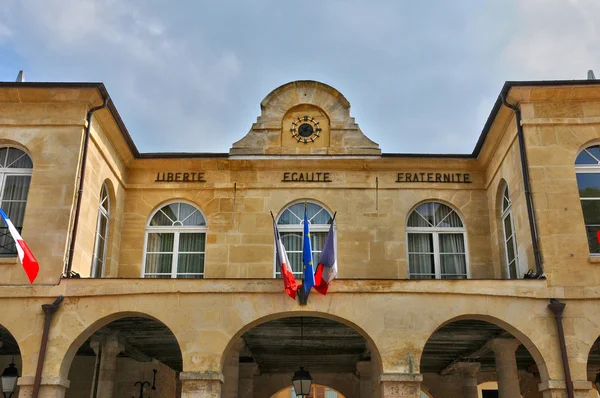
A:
[302,379]
[9,380]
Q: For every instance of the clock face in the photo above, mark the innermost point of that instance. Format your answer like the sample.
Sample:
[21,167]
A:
[305,129]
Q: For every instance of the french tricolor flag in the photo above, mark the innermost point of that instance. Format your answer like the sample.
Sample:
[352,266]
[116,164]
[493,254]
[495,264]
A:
[26,257]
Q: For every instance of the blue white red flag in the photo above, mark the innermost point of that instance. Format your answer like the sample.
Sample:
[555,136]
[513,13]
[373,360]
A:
[27,259]
[327,268]
[307,260]
[283,263]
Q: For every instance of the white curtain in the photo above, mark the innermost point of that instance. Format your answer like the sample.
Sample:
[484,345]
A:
[421,257]
[452,256]
[14,200]
[191,255]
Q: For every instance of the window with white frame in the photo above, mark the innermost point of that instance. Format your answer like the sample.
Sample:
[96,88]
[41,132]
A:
[175,243]
[510,237]
[291,226]
[15,177]
[436,243]
[587,167]
[101,241]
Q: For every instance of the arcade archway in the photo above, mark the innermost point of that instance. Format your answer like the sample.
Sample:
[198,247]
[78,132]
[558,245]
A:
[462,357]
[10,354]
[265,356]
[122,353]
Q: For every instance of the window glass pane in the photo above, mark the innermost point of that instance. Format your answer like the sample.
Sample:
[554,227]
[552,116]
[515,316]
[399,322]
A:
[512,269]
[453,265]
[452,243]
[190,242]
[17,159]
[104,198]
[589,185]
[3,153]
[159,263]
[510,249]
[15,212]
[190,216]
[190,263]
[421,266]
[16,187]
[294,214]
[416,220]
[160,242]
[591,211]
[427,211]
[158,276]
[507,225]
[589,155]
[161,219]
[592,231]
[420,243]
[450,220]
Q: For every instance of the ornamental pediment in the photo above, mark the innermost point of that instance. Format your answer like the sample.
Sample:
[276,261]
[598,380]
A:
[305,118]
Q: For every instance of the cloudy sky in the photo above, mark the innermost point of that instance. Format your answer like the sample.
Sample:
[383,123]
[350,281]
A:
[421,76]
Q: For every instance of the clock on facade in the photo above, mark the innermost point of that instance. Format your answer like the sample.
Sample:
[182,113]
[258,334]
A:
[305,129]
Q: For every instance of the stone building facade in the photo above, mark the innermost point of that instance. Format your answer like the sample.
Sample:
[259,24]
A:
[447,263]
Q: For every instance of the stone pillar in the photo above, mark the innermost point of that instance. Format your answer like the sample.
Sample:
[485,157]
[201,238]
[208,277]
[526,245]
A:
[231,369]
[401,385]
[365,371]
[246,379]
[108,365]
[201,384]
[468,375]
[506,367]
[51,387]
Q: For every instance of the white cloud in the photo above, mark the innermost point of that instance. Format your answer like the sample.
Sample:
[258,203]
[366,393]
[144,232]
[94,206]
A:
[555,39]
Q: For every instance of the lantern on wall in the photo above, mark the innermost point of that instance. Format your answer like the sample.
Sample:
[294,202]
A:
[9,380]
[302,379]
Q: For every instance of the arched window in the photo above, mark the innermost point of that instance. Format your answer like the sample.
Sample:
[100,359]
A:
[15,177]
[101,241]
[587,166]
[510,237]
[436,243]
[291,223]
[175,243]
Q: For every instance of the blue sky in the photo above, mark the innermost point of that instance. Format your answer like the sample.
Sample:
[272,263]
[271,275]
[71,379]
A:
[189,75]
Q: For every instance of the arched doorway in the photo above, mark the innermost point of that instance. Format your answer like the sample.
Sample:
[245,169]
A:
[317,391]
[593,366]
[338,356]
[117,358]
[464,353]
[10,355]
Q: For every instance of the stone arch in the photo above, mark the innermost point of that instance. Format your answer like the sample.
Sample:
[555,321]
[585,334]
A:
[523,338]
[336,383]
[11,353]
[96,325]
[375,354]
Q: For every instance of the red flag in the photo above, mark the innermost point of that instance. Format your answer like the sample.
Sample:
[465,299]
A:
[26,257]
[283,263]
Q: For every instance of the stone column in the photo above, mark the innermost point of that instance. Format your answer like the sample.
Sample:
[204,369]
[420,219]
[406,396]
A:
[201,384]
[506,367]
[246,379]
[401,385]
[51,387]
[468,375]
[365,371]
[110,348]
[231,369]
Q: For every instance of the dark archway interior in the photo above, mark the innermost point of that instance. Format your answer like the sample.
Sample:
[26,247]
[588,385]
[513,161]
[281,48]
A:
[8,344]
[467,340]
[327,346]
[144,339]
[593,364]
